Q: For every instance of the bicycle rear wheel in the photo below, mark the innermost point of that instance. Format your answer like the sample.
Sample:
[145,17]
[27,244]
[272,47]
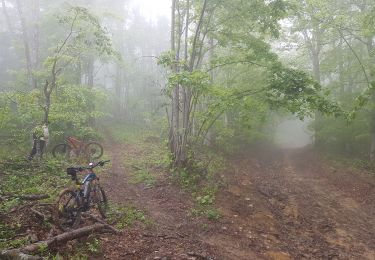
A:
[68,210]
[94,150]
[61,150]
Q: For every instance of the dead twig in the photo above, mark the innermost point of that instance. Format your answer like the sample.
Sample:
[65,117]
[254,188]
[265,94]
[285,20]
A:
[39,214]
[22,207]
[137,167]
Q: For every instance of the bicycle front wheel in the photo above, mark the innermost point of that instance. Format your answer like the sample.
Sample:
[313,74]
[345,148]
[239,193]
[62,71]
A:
[100,199]
[94,150]
[68,210]
[61,150]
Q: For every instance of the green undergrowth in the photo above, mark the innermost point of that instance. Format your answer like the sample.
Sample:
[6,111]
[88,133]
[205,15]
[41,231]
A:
[143,176]
[147,155]
[201,180]
[84,249]
[348,162]
[148,162]
[19,177]
[130,134]
[126,216]
[148,158]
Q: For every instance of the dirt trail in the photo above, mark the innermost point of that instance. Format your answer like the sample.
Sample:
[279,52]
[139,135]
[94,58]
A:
[281,204]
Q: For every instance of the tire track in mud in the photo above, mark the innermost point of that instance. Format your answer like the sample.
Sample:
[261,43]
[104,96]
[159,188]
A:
[282,205]
[275,204]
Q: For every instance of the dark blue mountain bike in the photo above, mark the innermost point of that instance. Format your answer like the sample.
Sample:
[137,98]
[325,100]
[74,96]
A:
[87,195]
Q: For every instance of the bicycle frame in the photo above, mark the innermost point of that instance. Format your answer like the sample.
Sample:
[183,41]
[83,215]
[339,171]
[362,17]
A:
[74,143]
[84,192]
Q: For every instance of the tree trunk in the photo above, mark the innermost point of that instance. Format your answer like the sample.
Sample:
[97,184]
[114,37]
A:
[35,41]
[26,45]
[372,146]
[90,71]
[173,139]
[6,15]
[118,92]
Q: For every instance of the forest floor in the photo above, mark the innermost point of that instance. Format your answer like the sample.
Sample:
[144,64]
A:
[273,204]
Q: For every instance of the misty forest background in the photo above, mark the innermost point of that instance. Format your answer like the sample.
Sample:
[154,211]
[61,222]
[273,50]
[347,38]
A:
[225,77]
[175,99]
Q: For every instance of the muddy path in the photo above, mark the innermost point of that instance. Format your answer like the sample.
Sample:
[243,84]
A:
[275,204]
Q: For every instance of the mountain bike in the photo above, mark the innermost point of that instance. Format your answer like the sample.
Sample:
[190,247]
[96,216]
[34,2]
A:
[75,147]
[88,194]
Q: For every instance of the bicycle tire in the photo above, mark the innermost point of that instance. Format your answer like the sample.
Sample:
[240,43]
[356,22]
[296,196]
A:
[94,150]
[101,200]
[68,210]
[61,150]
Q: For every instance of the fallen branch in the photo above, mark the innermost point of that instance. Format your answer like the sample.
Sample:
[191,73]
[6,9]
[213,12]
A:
[22,207]
[137,167]
[33,197]
[39,214]
[14,254]
[112,228]
[62,238]
[25,197]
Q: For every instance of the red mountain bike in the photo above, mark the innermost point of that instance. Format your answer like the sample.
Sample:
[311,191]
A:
[75,147]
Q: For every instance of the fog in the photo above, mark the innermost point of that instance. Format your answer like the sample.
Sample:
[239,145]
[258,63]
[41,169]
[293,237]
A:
[293,133]
[218,81]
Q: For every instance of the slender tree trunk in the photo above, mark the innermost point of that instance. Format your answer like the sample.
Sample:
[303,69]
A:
[26,44]
[90,71]
[313,44]
[118,92]
[6,15]
[370,49]
[186,98]
[79,72]
[35,41]
[174,138]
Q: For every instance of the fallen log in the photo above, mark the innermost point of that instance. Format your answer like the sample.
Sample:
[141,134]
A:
[16,255]
[112,228]
[33,197]
[41,245]
[25,197]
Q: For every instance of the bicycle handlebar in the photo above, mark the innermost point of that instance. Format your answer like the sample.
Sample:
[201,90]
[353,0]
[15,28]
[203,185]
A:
[100,163]
[74,170]
[92,165]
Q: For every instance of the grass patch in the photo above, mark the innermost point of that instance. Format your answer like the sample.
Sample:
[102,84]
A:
[346,162]
[21,177]
[209,212]
[143,176]
[129,134]
[200,179]
[126,216]
[147,155]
